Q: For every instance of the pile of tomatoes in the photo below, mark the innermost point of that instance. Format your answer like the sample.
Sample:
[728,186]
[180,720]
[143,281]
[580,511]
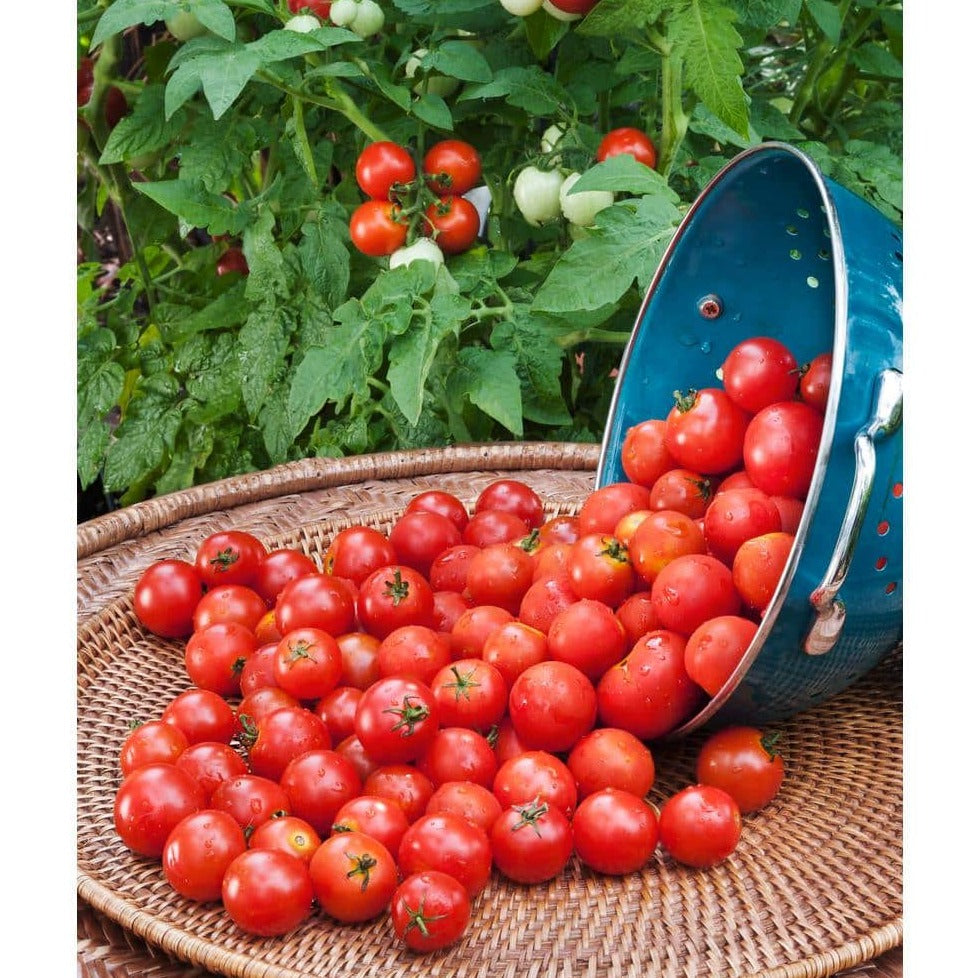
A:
[474,690]
[403,211]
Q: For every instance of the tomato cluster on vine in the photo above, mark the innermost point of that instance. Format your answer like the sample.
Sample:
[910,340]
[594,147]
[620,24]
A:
[404,209]
[471,690]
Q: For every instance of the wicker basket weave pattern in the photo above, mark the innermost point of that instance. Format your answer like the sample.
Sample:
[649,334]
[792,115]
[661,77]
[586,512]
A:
[814,887]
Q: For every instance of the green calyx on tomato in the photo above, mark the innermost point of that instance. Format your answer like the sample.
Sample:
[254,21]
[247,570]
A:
[362,865]
[411,715]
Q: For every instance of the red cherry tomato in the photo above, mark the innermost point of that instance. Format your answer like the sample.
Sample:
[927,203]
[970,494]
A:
[414,652]
[744,762]
[283,735]
[382,819]
[512,496]
[472,629]
[452,166]
[588,635]
[308,663]
[278,568]
[233,260]
[472,802]
[229,557]
[816,375]
[153,742]
[512,648]
[760,371]
[356,552]
[705,431]
[215,655]
[628,140]
[531,842]
[353,876]
[552,705]
[430,910]
[198,852]
[660,539]
[394,596]
[615,832]
[381,167]
[315,601]
[603,508]
[600,570]
[736,515]
[267,892]
[166,596]
[758,566]
[715,649]
[611,758]
[700,825]
[644,456]
[470,693]
[375,228]
[250,799]
[210,763]
[287,833]
[781,448]
[202,715]
[453,222]
[318,7]
[499,574]
[396,720]
[536,774]
[682,491]
[150,802]
[318,783]
[692,589]
[403,784]
[458,754]
[449,844]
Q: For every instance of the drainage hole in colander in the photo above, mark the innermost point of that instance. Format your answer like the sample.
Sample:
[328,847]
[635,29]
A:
[791,229]
[898,257]
[795,254]
[882,528]
[881,563]
[823,253]
[801,212]
[891,587]
[897,490]
[812,282]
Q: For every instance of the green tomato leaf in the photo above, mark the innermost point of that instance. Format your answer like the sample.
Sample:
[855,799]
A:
[413,352]
[543,32]
[281,45]
[539,361]
[263,340]
[276,428]
[626,245]
[215,151]
[434,110]
[704,122]
[100,378]
[828,18]
[615,18]
[703,35]
[213,14]
[624,173]
[460,60]
[769,122]
[488,380]
[766,13]
[143,130]
[875,59]
[529,88]
[267,275]
[401,97]
[93,440]
[228,310]
[195,206]
[325,259]
[222,76]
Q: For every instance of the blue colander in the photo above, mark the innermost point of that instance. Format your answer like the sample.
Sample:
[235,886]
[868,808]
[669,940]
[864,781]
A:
[772,247]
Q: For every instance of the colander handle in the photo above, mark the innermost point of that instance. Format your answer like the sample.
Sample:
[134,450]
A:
[830,611]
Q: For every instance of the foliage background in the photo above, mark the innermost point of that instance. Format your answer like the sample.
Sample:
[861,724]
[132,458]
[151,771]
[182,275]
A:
[248,135]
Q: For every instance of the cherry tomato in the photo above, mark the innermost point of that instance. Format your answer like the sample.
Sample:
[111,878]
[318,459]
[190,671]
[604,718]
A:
[553,562]
[559,529]
[209,763]
[283,735]
[473,628]
[381,166]
[287,833]
[439,501]
[308,663]
[470,693]
[229,603]
[337,710]
[452,166]
[588,636]
[356,552]
[453,222]
[267,892]
[229,557]
[499,574]
[628,140]
[790,510]
[644,456]
[744,762]
[394,596]
[637,616]
[382,819]
[198,852]
[552,705]
[715,648]
[505,741]
[543,601]
[351,748]
[315,601]
[816,375]
[165,597]
[603,508]
[705,431]
[153,742]
[257,705]
[494,526]
[318,783]
[599,569]
[512,496]
[215,655]
[250,799]
[737,515]
[691,589]
[258,671]
[759,371]
[611,758]
[758,566]
[375,228]
[458,754]
[318,7]
[449,844]
[414,652]
[531,842]
[403,784]
[700,825]
[150,802]
[536,775]
[233,260]
[660,539]
[354,877]
[430,910]
[682,491]
[781,448]
[449,569]
[448,608]
[420,536]
[615,832]
[472,802]
[359,654]
[277,568]
[396,720]
[202,715]
[649,692]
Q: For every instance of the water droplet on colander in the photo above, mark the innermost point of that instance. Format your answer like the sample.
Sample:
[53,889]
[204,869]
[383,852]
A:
[706,346]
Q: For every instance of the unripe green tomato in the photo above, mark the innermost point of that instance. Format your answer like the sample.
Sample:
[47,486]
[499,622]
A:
[302,23]
[537,194]
[424,249]
[343,12]
[435,84]
[184,25]
[521,8]
[581,208]
[557,13]
[552,135]
[369,19]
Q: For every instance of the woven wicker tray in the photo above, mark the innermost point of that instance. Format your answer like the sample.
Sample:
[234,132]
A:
[814,888]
